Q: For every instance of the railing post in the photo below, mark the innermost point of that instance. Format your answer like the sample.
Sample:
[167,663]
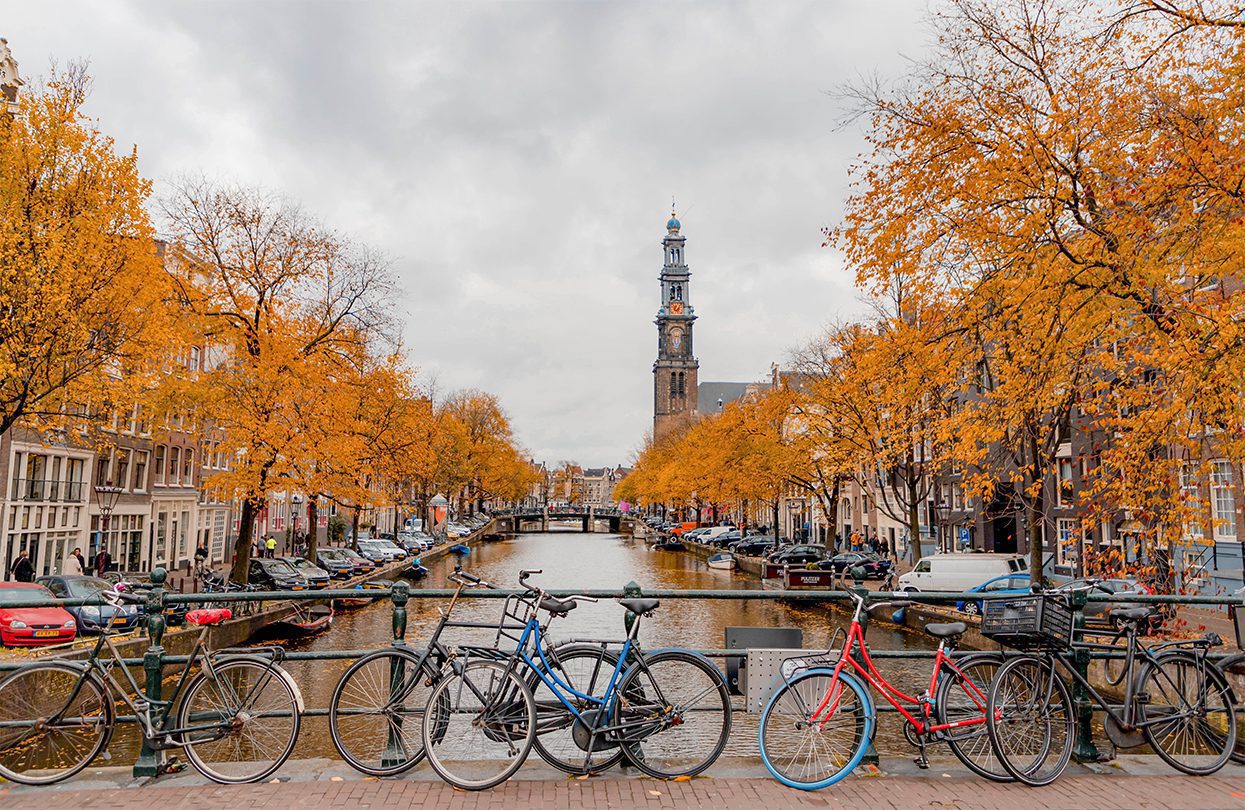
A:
[858,575]
[150,761]
[400,593]
[631,591]
[394,749]
[1084,750]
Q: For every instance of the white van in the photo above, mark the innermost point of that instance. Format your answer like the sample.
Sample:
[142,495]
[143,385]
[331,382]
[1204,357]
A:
[960,572]
[705,537]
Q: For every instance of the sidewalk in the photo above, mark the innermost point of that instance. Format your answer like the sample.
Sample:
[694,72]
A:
[1139,783]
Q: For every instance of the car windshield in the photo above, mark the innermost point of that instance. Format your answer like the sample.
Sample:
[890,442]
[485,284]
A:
[11,596]
[86,587]
[280,567]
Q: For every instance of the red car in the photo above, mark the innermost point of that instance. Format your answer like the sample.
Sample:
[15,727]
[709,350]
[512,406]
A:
[32,626]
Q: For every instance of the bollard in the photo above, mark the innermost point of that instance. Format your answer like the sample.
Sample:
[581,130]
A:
[1084,750]
[150,761]
[858,575]
[394,747]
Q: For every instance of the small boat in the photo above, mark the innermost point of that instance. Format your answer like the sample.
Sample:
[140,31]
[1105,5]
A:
[460,549]
[414,571]
[724,561]
[673,544]
[493,537]
[361,601]
[305,621]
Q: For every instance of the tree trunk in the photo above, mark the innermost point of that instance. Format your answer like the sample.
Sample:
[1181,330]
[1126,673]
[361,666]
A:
[242,546]
[775,523]
[313,521]
[914,514]
[354,529]
[1035,504]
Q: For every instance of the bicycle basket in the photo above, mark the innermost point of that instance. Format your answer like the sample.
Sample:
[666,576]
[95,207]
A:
[513,620]
[1029,623]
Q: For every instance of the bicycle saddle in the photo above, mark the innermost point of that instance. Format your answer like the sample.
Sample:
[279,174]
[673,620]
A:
[1134,614]
[946,630]
[209,616]
[640,606]
[558,607]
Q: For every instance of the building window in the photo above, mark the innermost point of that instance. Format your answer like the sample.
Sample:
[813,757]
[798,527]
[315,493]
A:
[682,383]
[1223,502]
[1063,491]
[175,465]
[1069,539]
[188,467]
[123,469]
[674,383]
[161,450]
[140,471]
[102,464]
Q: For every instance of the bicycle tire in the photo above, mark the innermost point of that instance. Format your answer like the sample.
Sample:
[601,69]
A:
[49,685]
[793,705]
[660,705]
[556,741]
[1233,669]
[955,701]
[240,691]
[1171,681]
[372,734]
[1028,691]
[499,710]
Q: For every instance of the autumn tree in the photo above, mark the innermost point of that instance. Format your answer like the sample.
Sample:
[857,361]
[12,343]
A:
[83,297]
[276,297]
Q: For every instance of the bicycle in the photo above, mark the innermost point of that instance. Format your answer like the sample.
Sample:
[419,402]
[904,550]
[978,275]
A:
[668,711]
[237,718]
[816,726]
[1175,699]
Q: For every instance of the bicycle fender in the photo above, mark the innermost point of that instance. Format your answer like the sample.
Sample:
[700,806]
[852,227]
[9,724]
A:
[280,672]
[1223,664]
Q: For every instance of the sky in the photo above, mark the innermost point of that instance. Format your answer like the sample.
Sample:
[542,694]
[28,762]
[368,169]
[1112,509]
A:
[517,161]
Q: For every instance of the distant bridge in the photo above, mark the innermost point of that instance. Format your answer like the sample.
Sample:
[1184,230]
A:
[519,521]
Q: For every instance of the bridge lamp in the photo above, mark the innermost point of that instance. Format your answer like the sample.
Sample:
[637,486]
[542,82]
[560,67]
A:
[942,513]
[106,499]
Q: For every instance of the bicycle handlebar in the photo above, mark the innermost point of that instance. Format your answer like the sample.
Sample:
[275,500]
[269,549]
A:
[117,598]
[527,572]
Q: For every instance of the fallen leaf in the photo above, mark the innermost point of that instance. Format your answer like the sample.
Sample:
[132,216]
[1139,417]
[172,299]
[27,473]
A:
[654,793]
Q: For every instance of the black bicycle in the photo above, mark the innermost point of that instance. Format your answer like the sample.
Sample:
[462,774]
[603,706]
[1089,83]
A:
[1175,699]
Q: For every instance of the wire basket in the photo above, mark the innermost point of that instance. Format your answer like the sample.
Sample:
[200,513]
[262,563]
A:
[1040,622]
[514,613]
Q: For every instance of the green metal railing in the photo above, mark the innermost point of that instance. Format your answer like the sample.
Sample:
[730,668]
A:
[155,660]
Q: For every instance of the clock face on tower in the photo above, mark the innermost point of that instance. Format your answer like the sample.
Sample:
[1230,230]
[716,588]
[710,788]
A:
[676,308]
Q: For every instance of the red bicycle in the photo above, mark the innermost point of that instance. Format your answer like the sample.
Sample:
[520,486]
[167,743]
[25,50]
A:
[817,725]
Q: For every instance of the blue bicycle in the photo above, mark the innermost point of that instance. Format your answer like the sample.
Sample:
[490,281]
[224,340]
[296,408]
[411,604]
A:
[668,712]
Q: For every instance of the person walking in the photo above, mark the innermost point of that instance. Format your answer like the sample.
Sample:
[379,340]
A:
[103,562]
[272,547]
[73,565]
[22,570]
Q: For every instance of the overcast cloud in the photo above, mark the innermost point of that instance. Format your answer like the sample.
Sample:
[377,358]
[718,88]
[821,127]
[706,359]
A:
[517,161]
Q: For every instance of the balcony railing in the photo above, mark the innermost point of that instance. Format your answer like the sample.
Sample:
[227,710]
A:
[42,489]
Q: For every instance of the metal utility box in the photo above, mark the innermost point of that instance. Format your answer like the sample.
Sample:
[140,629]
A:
[764,671]
[745,638]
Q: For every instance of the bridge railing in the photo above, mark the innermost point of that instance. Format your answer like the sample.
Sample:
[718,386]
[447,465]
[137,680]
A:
[155,660]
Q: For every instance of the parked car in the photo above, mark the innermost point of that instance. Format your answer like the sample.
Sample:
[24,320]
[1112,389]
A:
[959,572]
[92,618]
[316,576]
[380,551]
[415,542]
[276,575]
[456,531]
[798,555]
[712,534]
[1098,614]
[1017,584]
[362,565]
[32,626]
[874,565]
[754,546]
[338,564]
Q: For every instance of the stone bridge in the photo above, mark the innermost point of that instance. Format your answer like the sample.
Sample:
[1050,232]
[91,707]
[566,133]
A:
[589,519]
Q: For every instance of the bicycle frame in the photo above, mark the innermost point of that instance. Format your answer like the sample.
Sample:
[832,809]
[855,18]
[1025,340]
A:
[902,701]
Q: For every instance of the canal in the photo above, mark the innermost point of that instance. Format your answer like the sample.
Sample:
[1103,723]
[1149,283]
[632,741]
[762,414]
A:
[575,560]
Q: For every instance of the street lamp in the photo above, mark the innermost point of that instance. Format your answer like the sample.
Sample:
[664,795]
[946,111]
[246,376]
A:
[942,513]
[106,499]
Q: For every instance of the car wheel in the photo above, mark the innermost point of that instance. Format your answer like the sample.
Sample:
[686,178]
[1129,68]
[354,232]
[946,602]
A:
[971,608]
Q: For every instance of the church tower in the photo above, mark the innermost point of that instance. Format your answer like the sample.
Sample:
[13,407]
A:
[674,373]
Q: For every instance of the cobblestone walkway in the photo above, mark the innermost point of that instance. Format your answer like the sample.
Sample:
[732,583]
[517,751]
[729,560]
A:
[1073,792]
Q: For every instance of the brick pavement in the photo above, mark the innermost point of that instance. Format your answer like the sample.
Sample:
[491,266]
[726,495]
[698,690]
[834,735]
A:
[940,792]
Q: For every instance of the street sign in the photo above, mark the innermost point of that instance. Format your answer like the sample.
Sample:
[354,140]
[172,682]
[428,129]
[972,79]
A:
[964,538]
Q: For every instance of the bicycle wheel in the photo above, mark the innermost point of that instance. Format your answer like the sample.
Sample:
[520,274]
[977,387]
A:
[1187,716]
[1030,719]
[961,697]
[34,750]
[479,726]
[377,712]
[239,722]
[1233,668]
[562,739]
[809,749]
[675,711]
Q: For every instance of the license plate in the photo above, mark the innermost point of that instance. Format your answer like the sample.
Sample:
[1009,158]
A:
[47,633]
[117,620]
[297,588]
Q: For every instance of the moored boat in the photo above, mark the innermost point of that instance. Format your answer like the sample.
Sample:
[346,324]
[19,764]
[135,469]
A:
[724,561]
[303,621]
[460,549]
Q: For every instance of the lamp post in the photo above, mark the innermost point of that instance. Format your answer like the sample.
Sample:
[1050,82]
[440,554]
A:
[106,499]
[942,512]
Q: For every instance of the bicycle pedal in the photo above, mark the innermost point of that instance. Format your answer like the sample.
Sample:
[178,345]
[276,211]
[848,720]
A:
[921,762]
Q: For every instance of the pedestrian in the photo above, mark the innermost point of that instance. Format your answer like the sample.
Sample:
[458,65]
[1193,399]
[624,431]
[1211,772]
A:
[103,562]
[22,570]
[272,547]
[201,558]
[73,564]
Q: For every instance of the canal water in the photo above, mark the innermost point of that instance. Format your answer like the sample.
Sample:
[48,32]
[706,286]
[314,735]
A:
[575,560]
